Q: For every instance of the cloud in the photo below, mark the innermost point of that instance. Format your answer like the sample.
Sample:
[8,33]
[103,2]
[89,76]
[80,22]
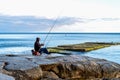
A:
[110,19]
[62,24]
[92,25]
[31,23]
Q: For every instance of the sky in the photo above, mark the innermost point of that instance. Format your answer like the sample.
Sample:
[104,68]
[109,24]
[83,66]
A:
[64,15]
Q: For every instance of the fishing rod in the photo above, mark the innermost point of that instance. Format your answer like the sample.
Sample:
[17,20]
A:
[51,30]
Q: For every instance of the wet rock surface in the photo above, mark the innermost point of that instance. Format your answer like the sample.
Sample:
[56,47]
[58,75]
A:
[49,67]
[82,47]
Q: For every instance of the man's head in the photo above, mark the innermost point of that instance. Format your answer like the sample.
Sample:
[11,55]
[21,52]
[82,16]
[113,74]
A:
[37,39]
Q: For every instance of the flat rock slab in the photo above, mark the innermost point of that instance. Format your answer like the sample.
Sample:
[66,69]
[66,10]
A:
[6,77]
[83,47]
[20,63]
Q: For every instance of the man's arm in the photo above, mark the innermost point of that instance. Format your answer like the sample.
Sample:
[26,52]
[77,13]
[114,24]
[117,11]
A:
[41,44]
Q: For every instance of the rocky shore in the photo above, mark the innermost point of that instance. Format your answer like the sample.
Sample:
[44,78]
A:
[49,67]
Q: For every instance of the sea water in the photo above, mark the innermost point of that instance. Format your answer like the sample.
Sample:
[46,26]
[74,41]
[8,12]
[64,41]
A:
[22,43]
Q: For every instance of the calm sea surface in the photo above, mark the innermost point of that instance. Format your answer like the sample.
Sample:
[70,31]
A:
[22,43]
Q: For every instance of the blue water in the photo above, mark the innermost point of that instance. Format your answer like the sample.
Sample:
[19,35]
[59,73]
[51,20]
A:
[22,43]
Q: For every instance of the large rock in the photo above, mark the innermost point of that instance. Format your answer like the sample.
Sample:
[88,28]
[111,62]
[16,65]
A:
[71,67]
[58,68]
[22,68]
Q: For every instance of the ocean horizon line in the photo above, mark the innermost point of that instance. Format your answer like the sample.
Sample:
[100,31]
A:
[59,32]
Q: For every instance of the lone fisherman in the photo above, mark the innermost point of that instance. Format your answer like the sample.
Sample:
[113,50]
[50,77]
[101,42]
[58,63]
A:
[38,49]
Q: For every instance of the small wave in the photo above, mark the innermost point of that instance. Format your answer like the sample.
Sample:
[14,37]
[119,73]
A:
[15,50]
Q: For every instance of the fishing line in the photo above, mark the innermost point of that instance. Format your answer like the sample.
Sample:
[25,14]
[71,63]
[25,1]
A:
[51,30]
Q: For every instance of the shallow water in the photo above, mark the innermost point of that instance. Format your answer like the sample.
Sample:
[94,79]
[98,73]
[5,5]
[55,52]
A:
[110,53]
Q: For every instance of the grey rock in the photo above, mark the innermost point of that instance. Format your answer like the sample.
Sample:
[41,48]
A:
[63,67]
[19,63]
[5,77]
[2,64]
[70,67]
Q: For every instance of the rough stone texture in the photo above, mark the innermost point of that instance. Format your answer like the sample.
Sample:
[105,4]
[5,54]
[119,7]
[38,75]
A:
[5,77]
[49,74]
[31,74]
[71,67]
[83,67]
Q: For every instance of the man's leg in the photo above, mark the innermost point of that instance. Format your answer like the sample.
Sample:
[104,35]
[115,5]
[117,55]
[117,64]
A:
[44,50]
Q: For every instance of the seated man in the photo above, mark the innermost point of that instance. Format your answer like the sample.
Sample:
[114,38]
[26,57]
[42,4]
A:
[38,49]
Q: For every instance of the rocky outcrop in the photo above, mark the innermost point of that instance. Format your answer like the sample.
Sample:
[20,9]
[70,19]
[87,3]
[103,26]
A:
[82,67]
[70,67]
[82,47]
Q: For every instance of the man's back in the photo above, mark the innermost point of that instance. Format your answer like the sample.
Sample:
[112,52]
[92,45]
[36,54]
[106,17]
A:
[37,46]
